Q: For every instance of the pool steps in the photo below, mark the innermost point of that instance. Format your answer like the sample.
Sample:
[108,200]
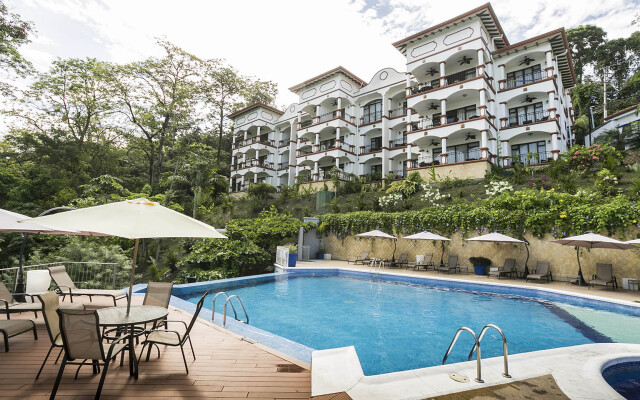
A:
[227,300]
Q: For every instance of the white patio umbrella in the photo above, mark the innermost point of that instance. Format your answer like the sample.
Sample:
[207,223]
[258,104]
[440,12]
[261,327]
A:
[592,240]
[10,222]
[131,219]
[634,241]
[381,235]
[497,237]
[426,235]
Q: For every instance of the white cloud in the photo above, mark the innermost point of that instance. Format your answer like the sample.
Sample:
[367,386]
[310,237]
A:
[286,41]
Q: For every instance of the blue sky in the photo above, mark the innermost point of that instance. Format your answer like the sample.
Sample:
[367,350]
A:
[287,41]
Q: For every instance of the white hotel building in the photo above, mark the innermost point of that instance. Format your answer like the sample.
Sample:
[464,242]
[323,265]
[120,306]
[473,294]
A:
[468,98]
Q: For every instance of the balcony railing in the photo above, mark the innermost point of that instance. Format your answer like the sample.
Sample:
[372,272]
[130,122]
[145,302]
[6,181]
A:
[336,145]
[422,87]
[346,116]
[398,112]
[283,165]
[398,142]
[371,117]
[306,123]
[325,175]
[370,148]
[460,76]
[399,174]
[425,161]
[253,163]
[284,142]
[462,114]
[302,152]
[531,158]
[372,177]
[253,140]
[304,178]
[528,118]
[525,79]
[426,123]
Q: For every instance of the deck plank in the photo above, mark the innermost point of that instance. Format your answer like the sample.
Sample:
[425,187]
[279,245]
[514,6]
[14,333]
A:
[226,367]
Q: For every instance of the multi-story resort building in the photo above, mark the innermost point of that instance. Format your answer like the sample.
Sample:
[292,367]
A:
[468,98]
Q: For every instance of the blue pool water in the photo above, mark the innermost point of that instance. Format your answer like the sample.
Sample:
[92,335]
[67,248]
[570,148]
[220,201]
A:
[625,379]
[398,326]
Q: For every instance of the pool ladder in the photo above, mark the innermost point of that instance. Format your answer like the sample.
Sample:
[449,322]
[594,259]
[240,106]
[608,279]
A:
[379,266]
[476,348]
[228,301]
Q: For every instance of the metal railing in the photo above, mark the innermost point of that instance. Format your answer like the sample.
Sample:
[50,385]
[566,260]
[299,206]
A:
[346,116]
[525,79]
[531,158]
[399,174]
[462,114]
[528,118]
[460,76]
[476,346]
[505,353]
[399,142]
[98,275]
[370,148]
[253,163]
[306,123]
[398,112]
[422,87]
[304,178]
[426,123]
[372,177]
[304,151]
[283,165]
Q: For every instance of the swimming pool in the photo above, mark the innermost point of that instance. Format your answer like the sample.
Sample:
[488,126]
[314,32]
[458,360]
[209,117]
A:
[398,323]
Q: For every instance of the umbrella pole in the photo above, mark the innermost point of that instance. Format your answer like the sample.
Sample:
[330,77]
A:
[581,280]
[526,262]
[133,272]
[19,288]
[393,256]
[442,255]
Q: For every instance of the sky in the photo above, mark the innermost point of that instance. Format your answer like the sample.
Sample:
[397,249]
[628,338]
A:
[285,41]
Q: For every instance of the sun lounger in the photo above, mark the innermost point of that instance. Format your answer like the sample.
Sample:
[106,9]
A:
[604,276]
[452,264]
[402,260]
[541,272]
[17,327]
[9,305]
[426,263]
[507,269]
[67,287]
[364,258]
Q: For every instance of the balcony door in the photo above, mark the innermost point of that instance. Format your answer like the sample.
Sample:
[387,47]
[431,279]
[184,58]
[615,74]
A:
[525,114]
[372,112]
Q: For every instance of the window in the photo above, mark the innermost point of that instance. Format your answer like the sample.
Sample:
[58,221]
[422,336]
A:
[461,152]
[527,114]
[461,114]
[372,112]
[524,76]
[530,153]
[376,169]
[376,143]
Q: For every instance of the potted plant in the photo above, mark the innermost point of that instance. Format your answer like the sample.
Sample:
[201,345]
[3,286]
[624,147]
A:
[320,254]
[293,254]
[480,264]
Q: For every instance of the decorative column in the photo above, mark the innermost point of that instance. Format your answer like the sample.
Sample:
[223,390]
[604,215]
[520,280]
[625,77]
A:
[443,155]
[338,162]
[484,149]
[503,115]
[493,149]
[255,178]
[258,134]
[339,111]
[316,146]
[385,136]
[506,153]
[408,85]
[244,137]
[443,74]
[409,155]
[502,77]
[483,102]
[554,145]
[443,111]
[293,149]
[317,118]
[549,62]
[242,182]
[316,170]
[481,65]
[552,104]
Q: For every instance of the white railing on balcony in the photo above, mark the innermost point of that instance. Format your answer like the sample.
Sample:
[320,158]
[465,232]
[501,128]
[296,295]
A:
[370,148]
[398,112]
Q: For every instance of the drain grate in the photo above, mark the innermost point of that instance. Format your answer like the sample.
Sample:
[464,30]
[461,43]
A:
[458,377]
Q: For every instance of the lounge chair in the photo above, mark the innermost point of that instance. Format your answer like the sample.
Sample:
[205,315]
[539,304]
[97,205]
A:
[603,277]
[541,272]
[426,263]
[452,264]
[402,260]
[364,258]
[174,338]
[9,305]
[508,269]
[50,304]
[17,327]
[67,287]
[82,340]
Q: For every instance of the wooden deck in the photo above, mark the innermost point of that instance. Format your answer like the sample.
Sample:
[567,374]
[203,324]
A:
[227,367]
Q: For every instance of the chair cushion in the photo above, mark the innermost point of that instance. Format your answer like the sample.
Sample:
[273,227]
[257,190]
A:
[26,306]
[598,282]
[99,292]
[72,306]
[164,337]
[14,327]
[117,348]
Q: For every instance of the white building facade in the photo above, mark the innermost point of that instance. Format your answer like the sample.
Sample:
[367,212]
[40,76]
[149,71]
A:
[468,98]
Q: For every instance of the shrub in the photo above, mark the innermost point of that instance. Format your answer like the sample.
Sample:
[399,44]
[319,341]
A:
[432,195]
[390,200]
[228,257]
[407,186]
[480,261]
[585,159]
[494,188]
[261,190]
[293,249]
[606,182]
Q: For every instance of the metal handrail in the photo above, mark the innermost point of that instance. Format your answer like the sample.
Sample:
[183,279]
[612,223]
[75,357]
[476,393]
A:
[372,265]
[504,347]
[213,306]
[453,342]
[228,300]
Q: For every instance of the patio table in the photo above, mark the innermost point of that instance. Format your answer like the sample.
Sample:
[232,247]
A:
[117,317]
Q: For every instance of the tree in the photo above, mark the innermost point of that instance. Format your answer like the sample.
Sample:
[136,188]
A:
[584,42]
[613,56]
[159,97]
[14,33]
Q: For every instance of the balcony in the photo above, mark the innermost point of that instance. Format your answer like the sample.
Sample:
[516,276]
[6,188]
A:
[372,177]
[399,174]
[304,151]
[326,175]
[283,165]
[370,149]
[425,161]
[398,112]
[400,142]
[460,76]
[425,87]
[530,158]
[330,115]
[528,118]
[306,123]
[370,118]
[252,163]
[254,140]
[525,79]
